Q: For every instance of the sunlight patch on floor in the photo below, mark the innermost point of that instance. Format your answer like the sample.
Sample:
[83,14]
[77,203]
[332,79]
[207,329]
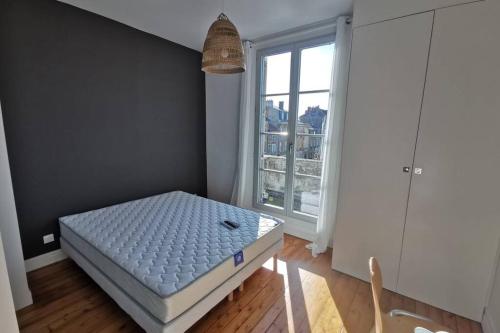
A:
[321,310]
[282,269]
[309,305]
[281,266]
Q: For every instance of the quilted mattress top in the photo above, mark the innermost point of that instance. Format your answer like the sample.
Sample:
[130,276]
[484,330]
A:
[169,240]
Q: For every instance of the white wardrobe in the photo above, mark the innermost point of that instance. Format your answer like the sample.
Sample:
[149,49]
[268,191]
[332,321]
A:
[420,180]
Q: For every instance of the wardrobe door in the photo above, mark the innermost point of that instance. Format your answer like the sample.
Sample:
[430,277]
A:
[386,81]
[371,11]
[453,224]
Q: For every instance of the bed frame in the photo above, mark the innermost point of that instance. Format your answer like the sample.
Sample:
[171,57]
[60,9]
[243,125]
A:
[190,316]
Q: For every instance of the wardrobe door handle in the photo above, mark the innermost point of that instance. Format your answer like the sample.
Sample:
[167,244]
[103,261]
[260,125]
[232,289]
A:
[406,169]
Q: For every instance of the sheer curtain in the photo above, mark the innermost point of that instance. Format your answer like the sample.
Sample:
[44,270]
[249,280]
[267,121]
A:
[243,176]
[333,140]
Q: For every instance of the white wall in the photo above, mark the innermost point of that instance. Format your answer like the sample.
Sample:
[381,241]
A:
[491,320]
[8,320]
[222,111]
[10,230]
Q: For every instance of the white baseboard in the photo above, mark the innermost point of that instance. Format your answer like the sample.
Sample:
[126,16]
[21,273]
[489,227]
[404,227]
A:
[299,232]
[44,260]
[488,324]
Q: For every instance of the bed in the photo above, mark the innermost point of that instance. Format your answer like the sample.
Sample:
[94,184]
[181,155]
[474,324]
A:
[168,259]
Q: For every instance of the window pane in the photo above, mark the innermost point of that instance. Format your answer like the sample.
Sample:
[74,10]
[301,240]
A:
[310,128]
[272,188]
[306,192]
[308,156]
[277,73]
[273,152]
[274,145]
[316,67]
[275,112]
[311,118]
[308,147]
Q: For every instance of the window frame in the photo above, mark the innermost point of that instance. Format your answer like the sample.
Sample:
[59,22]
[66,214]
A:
[293,98]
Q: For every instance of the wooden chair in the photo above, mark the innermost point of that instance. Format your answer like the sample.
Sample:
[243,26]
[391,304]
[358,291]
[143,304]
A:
[396,321]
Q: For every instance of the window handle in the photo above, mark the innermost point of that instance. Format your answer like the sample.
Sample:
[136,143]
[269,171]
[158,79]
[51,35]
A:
[290,148]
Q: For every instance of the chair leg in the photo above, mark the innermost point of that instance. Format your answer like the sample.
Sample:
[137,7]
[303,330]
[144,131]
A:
[275,263]
[230,297]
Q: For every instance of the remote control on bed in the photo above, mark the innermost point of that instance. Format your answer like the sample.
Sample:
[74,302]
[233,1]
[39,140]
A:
[233,225]
[225,225]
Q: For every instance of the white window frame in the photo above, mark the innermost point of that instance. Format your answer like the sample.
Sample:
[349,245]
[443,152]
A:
[293,94]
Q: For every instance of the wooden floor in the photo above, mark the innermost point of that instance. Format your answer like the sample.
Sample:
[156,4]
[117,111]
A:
[305,296]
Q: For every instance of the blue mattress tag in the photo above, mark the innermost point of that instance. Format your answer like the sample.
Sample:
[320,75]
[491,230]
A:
[238,258]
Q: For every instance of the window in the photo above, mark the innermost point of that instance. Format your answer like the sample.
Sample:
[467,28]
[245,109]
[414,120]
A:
[293,101]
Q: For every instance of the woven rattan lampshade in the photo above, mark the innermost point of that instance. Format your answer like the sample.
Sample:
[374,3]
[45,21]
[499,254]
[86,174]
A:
[223,51]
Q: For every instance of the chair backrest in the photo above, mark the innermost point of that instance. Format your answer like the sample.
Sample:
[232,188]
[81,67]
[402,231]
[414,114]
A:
[376,279]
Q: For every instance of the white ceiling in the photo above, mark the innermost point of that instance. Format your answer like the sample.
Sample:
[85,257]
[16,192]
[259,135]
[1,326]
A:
[186,21]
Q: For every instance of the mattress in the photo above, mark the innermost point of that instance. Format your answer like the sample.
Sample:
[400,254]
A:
[169,251]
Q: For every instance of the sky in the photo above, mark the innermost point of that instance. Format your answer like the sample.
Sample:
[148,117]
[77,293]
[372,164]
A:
[315,74]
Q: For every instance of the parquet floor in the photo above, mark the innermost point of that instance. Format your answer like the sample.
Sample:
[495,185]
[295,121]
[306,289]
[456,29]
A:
[306,296]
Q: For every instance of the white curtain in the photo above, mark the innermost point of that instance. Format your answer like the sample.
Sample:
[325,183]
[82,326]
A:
[242,182]
[333,140]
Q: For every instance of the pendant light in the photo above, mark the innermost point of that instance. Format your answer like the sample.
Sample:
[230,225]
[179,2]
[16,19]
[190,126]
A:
[223,51]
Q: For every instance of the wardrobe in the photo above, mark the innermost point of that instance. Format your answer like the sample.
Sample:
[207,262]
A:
[420,175]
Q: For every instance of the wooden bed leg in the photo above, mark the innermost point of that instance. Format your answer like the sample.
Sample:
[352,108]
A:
[230,297]
[275,263]
[241,287]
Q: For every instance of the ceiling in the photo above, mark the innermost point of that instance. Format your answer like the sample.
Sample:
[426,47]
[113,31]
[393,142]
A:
[186,21]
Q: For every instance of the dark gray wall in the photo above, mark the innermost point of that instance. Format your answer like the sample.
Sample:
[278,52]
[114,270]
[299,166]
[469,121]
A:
[95,113]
